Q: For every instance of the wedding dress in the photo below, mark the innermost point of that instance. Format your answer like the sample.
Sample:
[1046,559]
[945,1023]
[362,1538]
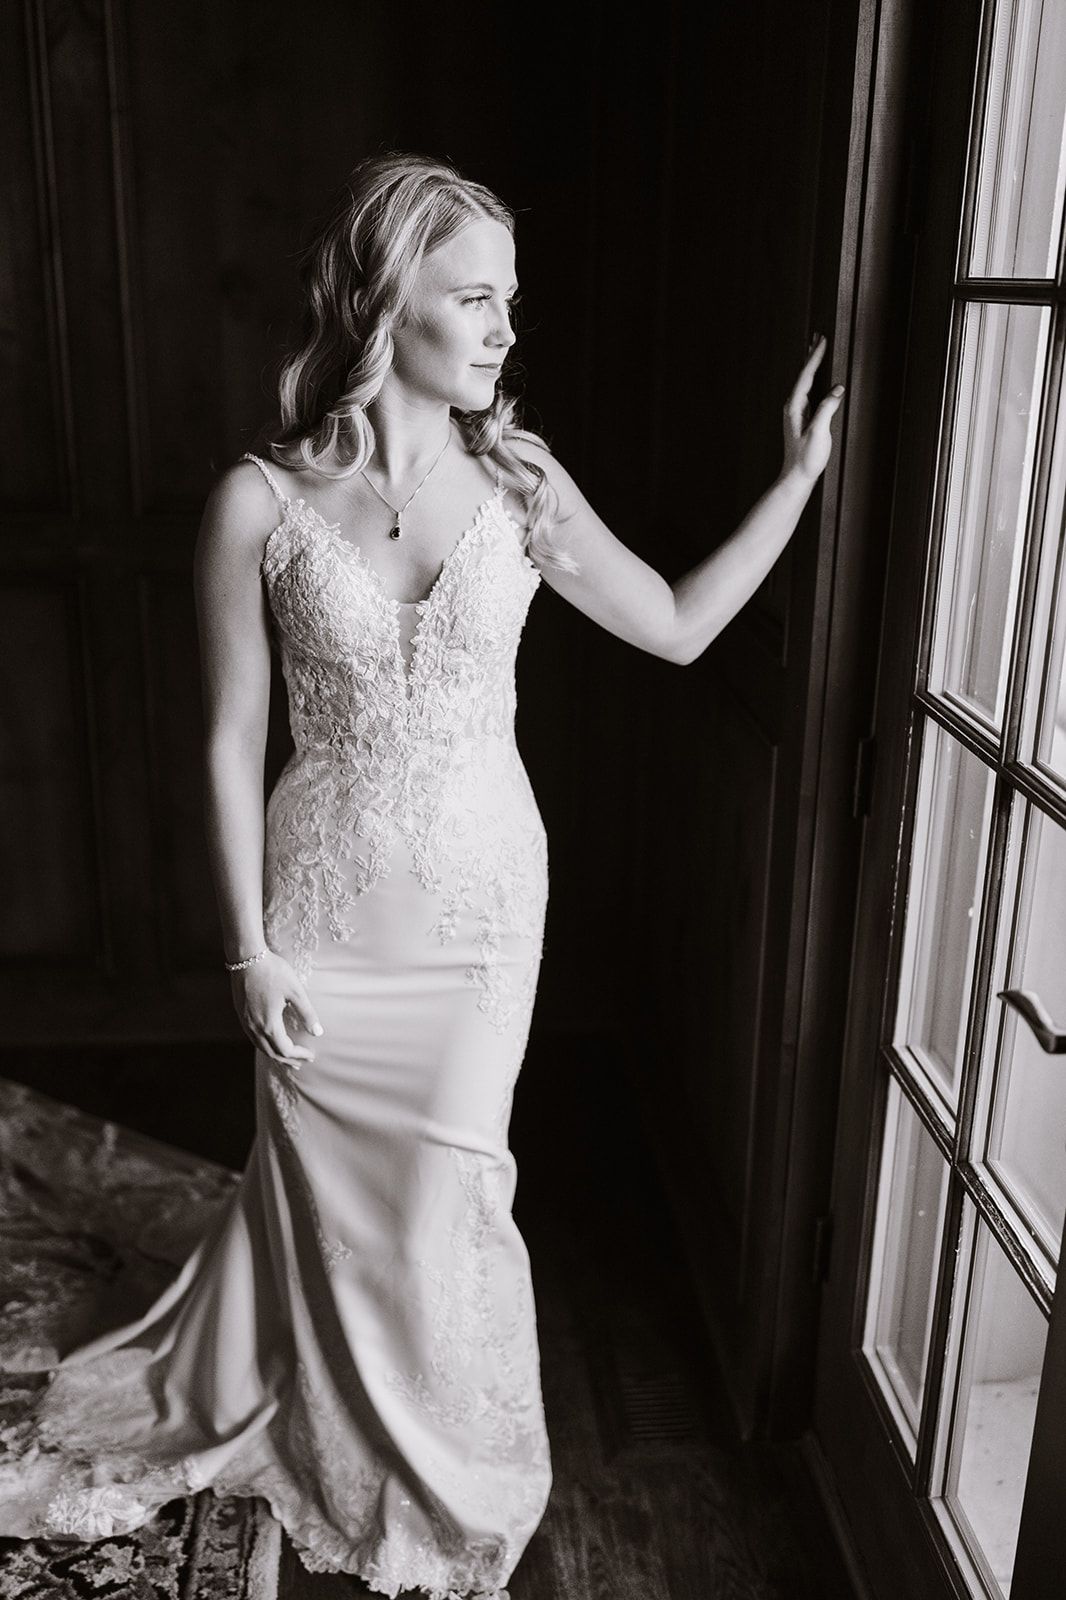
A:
[355,1337]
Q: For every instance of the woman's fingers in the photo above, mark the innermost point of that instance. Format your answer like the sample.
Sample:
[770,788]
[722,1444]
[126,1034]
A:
[265,997]
[827,408]
[279,1038]
[274,1042]
[810,367]
[816,443]
[815,352]
[796,411]
[306,1011]
[796,403]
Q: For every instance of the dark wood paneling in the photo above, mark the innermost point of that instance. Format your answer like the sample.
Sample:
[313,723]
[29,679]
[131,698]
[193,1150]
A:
[758,181]
[76,79]
[187,924]
[721,932]
[32,472]
[273,114]
[50,894]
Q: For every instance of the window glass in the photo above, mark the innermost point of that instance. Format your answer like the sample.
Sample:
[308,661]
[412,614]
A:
[998,1381]
[1021,172]
[910,1216]
[1027,1134]
[1001,371]
[950,842]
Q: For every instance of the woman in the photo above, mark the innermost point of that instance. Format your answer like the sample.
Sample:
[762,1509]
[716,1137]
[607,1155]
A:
[355,1339]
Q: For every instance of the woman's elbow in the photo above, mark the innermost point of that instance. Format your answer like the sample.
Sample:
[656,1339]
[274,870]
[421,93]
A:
[682,650]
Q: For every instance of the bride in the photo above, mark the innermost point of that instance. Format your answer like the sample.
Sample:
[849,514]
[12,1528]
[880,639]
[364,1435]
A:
[355,1338]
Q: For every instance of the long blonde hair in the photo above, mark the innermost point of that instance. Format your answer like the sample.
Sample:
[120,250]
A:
[358,277]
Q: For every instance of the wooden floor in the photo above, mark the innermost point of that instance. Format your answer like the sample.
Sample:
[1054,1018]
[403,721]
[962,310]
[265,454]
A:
[653,1496]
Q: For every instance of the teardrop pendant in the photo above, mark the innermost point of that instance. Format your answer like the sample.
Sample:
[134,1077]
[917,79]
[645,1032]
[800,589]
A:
[394,533]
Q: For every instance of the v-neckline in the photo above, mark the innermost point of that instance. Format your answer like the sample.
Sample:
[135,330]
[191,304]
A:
[356,550]
[405,670]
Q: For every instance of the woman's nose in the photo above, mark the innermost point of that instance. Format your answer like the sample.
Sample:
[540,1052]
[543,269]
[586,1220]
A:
[504,334]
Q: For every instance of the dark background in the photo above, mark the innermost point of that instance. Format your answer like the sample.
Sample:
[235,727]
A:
[679,177]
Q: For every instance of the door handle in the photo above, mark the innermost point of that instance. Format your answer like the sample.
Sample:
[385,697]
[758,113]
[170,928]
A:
[1028,1005]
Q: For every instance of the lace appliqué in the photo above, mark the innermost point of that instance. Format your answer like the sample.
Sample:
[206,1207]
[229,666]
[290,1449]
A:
[423,752]
[286,1102]
[416,1547]
[484,1369]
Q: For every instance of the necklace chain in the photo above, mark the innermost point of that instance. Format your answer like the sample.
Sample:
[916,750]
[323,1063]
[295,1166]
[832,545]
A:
[396,530]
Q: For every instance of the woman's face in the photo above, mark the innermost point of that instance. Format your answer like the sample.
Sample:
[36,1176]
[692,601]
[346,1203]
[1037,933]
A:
[450,346]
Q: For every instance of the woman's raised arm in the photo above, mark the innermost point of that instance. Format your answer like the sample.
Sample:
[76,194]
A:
[677,621]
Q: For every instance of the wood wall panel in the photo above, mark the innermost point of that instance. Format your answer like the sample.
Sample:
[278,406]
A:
[75,71]
[705,954]
[51,905]
[184,187]
[33,473]
[118,731]
[758,180]
[730,909]
[270,125]
[183,900]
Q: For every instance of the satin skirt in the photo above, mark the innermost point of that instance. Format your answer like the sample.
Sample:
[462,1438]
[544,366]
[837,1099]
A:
[355,1337]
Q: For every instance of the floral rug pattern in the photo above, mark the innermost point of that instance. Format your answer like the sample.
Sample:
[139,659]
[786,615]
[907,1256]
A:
[94,1222]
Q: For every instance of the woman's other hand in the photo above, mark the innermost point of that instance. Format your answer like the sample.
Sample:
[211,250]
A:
[261,994]
[808,443]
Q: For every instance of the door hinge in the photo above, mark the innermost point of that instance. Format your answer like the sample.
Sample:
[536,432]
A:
[823,1241]
[862,788]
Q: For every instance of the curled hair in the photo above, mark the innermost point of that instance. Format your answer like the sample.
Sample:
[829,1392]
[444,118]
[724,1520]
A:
[358,276]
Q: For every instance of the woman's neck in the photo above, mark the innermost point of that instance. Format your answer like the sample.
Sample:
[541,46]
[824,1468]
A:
[406,437]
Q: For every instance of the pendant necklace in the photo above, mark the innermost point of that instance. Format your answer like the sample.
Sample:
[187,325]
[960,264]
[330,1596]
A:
[396,530]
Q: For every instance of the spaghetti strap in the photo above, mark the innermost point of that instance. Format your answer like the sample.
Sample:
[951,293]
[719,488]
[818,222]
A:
[268,475]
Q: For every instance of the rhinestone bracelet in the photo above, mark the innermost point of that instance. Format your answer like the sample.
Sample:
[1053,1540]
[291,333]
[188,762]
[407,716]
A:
[239,966]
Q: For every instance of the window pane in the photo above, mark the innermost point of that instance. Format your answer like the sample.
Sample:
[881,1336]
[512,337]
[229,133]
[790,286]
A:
[1051,742]
[910,1215]
[1027,1139]
[1020,183]
[950,841]
[992,1429]
[991,464]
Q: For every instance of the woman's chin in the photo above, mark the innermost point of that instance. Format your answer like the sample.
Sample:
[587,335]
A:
[475,397]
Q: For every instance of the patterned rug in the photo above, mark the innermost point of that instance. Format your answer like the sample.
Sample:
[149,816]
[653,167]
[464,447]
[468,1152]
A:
[94,1222]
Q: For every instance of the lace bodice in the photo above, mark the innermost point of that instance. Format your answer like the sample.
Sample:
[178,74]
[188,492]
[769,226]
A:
[388,747]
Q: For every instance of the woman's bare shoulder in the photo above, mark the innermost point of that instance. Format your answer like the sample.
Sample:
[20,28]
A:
[536,452]
[530,447]
[241,510]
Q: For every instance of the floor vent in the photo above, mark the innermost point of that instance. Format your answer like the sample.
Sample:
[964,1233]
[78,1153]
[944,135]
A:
[657,1409]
